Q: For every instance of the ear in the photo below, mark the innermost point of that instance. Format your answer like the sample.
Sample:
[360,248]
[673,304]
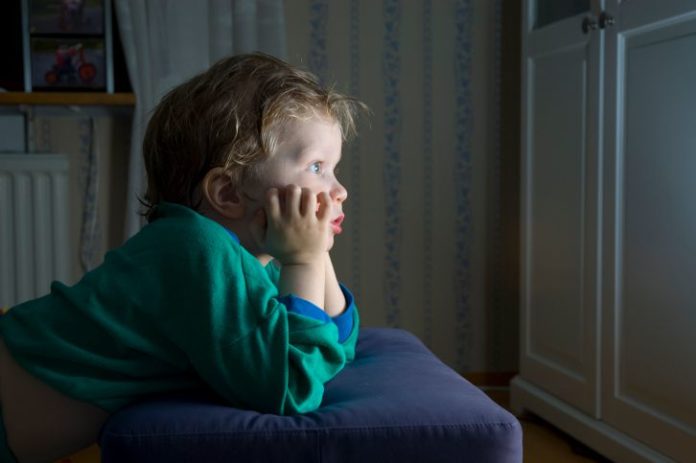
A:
[222,194]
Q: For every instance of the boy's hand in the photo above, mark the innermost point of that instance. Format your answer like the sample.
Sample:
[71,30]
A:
[297,224]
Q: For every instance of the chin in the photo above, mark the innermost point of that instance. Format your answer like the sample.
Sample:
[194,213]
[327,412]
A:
[331,242]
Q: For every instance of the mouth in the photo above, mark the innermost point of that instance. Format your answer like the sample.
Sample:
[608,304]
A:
[336,224]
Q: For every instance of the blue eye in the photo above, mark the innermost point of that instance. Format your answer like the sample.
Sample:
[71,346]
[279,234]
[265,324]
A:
[315,168]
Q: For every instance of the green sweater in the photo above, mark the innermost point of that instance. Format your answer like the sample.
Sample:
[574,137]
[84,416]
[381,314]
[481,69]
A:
[179,305]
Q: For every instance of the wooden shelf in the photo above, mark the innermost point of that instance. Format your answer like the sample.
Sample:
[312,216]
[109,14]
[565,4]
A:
[67,98]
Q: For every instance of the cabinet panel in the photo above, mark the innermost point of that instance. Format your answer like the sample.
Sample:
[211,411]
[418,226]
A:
[609,228]
[557,212]
[650,293]
[560,140]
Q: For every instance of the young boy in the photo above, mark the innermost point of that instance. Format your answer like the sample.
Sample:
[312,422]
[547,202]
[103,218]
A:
[230,286]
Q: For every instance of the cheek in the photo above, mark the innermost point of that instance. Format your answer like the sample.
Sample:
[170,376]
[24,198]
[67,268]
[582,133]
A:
[254,197]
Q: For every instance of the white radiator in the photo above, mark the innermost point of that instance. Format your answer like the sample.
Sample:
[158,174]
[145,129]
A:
[34,221]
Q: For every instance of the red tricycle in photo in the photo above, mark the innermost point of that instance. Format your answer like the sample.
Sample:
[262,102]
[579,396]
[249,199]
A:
[60,63]
[70,66]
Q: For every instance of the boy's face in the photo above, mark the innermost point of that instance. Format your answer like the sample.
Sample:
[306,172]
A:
[307,155]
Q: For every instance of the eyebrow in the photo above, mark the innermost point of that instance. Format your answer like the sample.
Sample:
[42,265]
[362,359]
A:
[310,155]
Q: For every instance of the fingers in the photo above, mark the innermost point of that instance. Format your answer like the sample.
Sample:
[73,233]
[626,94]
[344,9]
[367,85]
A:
[297,223]
[293,197]
[272,205]
[309,202]
[324,201]
[297,201]
[293,200]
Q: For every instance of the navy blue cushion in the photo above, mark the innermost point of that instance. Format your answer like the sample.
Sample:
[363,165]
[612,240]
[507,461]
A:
[395,402]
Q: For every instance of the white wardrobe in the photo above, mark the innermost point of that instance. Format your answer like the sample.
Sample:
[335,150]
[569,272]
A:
[608,226]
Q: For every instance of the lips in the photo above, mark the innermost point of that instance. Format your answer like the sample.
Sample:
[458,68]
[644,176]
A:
[336,224]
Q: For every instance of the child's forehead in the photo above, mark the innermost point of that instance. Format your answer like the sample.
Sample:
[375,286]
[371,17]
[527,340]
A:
[312,130]
[309,126]
[311,136]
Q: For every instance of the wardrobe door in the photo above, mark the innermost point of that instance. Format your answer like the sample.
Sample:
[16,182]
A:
[560,149]
[649,299]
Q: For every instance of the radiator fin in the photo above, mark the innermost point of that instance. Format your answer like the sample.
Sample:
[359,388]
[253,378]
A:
[34,222]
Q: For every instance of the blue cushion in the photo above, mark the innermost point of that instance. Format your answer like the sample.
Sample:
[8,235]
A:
[395,402]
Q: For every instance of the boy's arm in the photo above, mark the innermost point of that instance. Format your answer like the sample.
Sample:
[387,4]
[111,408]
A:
[340,306]
[296,237]
[335,302]
[243,340]
[305,281]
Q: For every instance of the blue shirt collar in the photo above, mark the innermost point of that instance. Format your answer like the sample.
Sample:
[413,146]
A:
[233,235]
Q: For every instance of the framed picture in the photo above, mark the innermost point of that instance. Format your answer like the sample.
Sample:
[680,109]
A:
[70,17]
[68,63]
[68,44]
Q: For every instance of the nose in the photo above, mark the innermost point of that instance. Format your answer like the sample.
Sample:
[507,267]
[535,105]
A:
[338,192]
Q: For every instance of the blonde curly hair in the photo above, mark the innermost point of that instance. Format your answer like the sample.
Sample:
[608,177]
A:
[230,116]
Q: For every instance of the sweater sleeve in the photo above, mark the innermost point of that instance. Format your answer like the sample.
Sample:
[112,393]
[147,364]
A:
[180,303]
[245,342]
[347,322]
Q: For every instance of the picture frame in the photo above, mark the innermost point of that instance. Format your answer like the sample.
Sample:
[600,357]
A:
[68,63]
[69,17]
[73,52]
